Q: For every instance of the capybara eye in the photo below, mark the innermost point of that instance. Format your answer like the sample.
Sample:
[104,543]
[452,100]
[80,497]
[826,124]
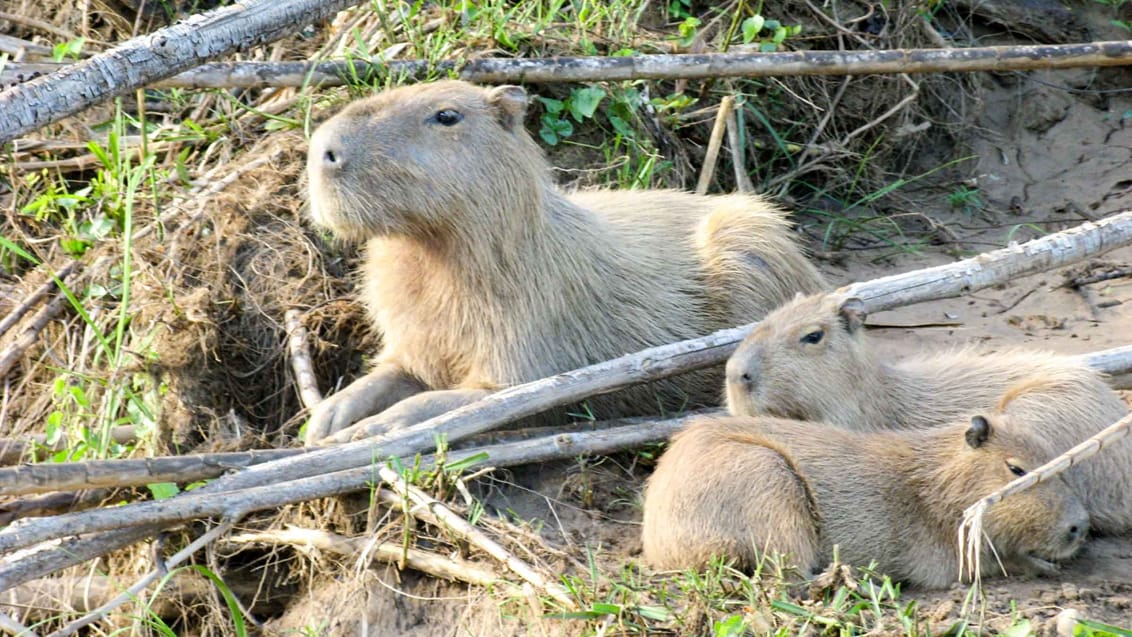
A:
[1016,470]
[447,117]
[814,337]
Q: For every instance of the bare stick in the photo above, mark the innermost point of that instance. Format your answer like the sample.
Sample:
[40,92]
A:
[654,67]
[449,568]
[511,404]
[1113,361]
[13,627]
[234,505]
[144,582]
[134,472]
[35,297]
[971,529]
[92,474]
[301,359]
[445,518]
[148,58]
[714,142]
[738,163]
[11,354]
[13,450]
[26,566]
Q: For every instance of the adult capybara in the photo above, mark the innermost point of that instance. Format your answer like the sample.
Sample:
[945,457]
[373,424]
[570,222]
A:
[810,360]
[742,487]
[481,274]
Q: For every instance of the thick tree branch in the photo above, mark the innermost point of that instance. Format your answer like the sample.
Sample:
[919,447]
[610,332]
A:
[146,59]
[653,67]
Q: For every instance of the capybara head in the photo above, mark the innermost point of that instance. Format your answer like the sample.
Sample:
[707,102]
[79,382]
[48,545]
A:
[803,361]
[420,160]
[1030,529]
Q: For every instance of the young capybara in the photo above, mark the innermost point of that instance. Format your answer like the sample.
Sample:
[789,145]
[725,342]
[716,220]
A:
[741,487]
[481,274]
[810,360]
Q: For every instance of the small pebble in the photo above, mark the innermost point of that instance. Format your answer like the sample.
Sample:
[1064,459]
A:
[1049,598]
[1066,621]
[1069,592]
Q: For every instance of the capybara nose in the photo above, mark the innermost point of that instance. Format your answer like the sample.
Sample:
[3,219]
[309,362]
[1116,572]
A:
[742,374]
[333,158]
[1077,531]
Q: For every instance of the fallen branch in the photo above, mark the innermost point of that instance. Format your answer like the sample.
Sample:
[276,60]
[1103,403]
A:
[14,450]
[301,359]
[145,59]
[93,474]
[42,478]
[437,514]
[652,67]
[714,142]
[11,354]
[1087,240]
[971,529]
[449,568]
[234,505]
[136,472]
[35,297]
[133,591]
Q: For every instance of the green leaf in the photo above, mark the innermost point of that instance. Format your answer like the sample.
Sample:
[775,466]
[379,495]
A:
[606,609]
[655,613]
[163,490]
[548,135]
[1022,628]
[584,102]
[751,28]
[551,105]
[460,465]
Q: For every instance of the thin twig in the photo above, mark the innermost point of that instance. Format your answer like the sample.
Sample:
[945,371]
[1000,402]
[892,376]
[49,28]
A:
[143,583]
[35,297]
[301,359]
[11,354]
[442,516]
[712,154]
[449,568]
[738,163]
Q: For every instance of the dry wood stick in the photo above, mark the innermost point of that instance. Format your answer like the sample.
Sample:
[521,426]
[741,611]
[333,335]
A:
[143,583]
[134,472]
[441,516]
[449,568]
[13,450]
[92,474]
[35,297]
[301,359]
[654,67]
[711,156]
[1062,248]
[145,59]
[11,354]
[234,505]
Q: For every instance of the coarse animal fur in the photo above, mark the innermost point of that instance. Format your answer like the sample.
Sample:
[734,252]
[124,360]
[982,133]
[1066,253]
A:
[481,274]
[810,360]
[743,487]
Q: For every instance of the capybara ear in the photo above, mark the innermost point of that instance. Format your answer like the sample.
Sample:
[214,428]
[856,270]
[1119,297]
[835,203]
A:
[852,312]
[978,433]
[510,104]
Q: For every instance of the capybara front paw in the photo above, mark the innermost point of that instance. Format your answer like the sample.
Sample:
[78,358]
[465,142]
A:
[334,414]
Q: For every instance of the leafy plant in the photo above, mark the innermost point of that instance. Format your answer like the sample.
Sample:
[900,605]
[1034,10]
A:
[770,34]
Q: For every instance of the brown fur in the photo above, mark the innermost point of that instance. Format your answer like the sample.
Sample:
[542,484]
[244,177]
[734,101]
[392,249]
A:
[839,380]
[481,274]
[743,487]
